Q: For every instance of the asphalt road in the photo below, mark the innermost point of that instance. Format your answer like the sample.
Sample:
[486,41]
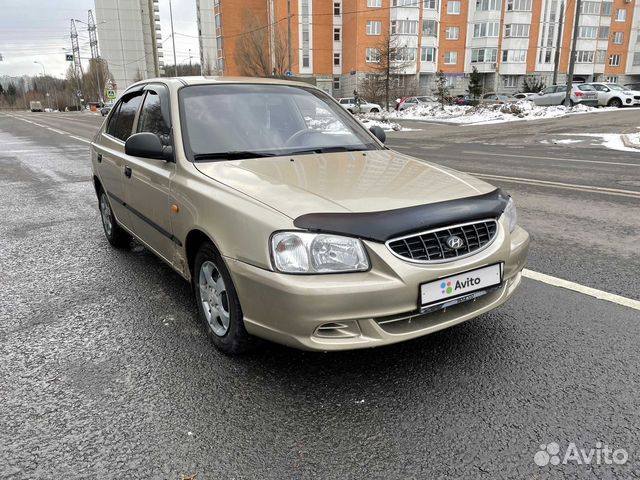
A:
[105,371]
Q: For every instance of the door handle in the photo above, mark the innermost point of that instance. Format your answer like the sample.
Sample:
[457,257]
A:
[127,171]
[99,158]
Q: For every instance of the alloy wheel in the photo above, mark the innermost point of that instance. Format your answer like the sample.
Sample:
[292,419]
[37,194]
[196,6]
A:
[214,298]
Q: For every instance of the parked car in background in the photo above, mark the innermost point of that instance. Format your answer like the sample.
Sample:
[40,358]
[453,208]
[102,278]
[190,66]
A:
[523,95]
[494,99]
[410,102]
[293,222]
[362,106]
[632,86]
[463,100]
[106,109]
[614,95]
[581,93]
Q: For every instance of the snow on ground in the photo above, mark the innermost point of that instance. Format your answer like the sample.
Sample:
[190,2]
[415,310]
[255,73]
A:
[385,124]
[633,139]
[482,114]
[612,141]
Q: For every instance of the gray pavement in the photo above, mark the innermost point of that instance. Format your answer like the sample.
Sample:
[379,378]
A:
[105,371]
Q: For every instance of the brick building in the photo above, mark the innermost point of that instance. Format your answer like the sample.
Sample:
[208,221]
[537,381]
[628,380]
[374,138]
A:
[336,41]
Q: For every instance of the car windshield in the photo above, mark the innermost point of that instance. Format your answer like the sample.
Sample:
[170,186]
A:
[615,86]
[233,121]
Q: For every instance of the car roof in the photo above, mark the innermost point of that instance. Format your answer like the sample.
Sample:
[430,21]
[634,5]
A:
[213,80]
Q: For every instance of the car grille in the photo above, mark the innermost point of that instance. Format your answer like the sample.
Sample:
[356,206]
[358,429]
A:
[636,97]
[431,246]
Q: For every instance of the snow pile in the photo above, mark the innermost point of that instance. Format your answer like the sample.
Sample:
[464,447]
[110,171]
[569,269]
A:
[383,123]
[633,140]
[521,110]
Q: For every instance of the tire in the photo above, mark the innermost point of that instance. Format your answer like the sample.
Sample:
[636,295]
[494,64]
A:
[115,235]
[220,309]
[374,110]
[615,102]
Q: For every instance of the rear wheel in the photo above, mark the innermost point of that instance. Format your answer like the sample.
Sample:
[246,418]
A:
[615,102]
[116,235]
[218,303]
[374,110]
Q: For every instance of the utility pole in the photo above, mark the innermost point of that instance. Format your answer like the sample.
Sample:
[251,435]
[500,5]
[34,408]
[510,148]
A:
[556,60]
[173,39]
[289,34]
[190,71]
[95,56]
[154,42]
[572,58]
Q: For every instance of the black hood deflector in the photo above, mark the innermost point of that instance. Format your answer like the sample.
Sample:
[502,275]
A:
[382,226]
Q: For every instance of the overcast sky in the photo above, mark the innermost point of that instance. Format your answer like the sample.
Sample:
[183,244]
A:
[38,30]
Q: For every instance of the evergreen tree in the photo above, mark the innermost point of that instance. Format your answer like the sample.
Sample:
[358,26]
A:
[475,84]
[442,89]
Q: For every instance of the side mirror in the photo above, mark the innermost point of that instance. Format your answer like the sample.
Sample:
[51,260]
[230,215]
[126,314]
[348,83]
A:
[379,133]
[147,145]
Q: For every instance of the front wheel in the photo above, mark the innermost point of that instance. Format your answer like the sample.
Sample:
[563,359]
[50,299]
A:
[218,303]
[615,102]
[115,235]
[374,110]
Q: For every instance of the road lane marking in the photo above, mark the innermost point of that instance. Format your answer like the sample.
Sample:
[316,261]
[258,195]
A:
[576,287]
[566,186]
[61,132]
[80,139]
[550,158]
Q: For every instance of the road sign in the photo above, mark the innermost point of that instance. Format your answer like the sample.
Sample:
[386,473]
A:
[69,57]
[110,94]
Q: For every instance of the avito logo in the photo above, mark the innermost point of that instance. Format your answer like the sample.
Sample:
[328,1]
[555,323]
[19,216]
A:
[448,288]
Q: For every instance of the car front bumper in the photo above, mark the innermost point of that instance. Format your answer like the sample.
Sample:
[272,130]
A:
[378,307]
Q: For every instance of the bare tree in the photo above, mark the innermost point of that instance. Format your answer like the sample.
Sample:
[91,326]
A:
[256,55]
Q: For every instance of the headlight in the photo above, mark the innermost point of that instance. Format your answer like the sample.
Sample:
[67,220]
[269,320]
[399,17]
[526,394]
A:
[511,214]
[303,252]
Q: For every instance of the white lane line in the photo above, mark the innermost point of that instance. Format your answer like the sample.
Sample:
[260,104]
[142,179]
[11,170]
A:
[61,132]
[80,139]
[566,186]
[576,287]
[490,154]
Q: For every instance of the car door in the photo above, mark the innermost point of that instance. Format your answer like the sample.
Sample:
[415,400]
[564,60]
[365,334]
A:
[603,93]
[147,181]
[544,97]
[109,150]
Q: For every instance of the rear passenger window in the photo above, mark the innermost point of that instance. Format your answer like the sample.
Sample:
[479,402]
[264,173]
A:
[123,124]
[152,118]
[113,119]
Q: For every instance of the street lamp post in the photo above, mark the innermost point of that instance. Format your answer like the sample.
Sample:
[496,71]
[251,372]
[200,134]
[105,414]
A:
[46,86]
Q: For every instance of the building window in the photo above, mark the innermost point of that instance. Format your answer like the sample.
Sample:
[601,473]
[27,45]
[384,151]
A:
[606,9]
[404,54]
[514,56]
[590,8]
[489,29]
[603,32]
[484,55]
[636,59]
[614,60]
[373,55]
[519,5]
[406,3]
[429,28]
[374,3]
[374,27]
[453,7]
[601,56]
[336,83]
[516,30]
[618,38]
[404,27]
[584,56]
[337,8]
[336,59]
[587,32]
[450,58]
[337,34]
[510,81]
[428,54]
[431,4]
[306,37]
[452,33]
[621,15]
[451,81]
[487,5]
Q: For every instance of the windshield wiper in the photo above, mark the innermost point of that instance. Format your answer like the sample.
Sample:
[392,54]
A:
[233,155]
[327,150]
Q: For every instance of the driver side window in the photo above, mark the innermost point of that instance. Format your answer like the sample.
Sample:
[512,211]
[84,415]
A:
[121,122]
[153,119]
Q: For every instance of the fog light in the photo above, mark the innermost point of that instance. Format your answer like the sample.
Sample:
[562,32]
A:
[338,330]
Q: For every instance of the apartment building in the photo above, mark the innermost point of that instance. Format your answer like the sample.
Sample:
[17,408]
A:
[129,39]
[338,42]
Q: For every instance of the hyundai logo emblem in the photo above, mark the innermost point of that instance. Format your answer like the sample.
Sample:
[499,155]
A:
[454,242]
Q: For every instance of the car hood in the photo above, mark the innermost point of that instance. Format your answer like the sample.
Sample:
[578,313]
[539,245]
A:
[368,181]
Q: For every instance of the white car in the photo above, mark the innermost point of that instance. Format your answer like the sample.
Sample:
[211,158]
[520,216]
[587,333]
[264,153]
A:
[362,107]
[614,95]
[556,94]
[523,95]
